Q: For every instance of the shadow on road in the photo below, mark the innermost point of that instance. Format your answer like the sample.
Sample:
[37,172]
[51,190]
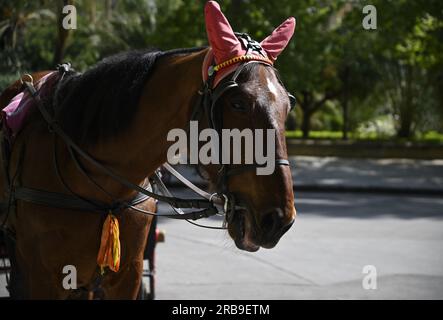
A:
[367,206]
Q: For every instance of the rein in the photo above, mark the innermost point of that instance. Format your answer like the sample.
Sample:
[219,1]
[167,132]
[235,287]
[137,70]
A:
[206,102]
[59,200]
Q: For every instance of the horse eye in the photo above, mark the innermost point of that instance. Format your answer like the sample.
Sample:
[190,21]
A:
[292,101]
[238,106]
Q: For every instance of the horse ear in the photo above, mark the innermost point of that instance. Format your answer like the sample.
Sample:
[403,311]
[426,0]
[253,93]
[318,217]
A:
[222,39]
[279,38]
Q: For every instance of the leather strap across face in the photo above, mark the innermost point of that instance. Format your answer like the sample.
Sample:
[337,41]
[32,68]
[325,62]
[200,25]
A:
[215,120]
[37,196]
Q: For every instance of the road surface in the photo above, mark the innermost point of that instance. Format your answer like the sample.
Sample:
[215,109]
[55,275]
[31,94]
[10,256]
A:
[321,257]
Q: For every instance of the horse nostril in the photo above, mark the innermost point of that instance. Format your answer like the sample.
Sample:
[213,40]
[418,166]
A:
[272,221]
[287,227]
[274,224]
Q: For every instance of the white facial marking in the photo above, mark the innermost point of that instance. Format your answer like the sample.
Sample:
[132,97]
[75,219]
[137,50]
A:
[272,87]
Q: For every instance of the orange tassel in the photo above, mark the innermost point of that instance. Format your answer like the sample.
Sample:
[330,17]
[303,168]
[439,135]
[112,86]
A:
[109,252]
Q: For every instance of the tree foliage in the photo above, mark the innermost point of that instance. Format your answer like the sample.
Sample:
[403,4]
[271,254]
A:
[343,75]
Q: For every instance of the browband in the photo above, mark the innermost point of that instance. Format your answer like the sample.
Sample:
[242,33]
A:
[230,62]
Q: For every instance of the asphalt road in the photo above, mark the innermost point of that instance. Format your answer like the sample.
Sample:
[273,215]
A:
[321,257]
[353,174]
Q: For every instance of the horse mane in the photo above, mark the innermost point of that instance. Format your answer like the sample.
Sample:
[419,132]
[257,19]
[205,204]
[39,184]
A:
[102,102]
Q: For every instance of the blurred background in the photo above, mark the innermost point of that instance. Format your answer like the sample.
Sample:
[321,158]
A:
[365,141]
[350,82]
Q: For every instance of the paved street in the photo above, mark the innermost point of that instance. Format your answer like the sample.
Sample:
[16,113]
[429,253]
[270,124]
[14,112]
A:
[321,257]
[335,236]
[329,173]
[368,174]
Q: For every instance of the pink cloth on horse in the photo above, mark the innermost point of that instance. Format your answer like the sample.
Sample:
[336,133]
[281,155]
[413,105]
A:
[16,112]
[225,45]
[220,75]
[275,43]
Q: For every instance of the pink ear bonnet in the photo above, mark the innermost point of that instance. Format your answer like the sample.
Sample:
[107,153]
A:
[229,49]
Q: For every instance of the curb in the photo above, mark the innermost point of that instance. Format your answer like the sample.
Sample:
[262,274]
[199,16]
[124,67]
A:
[370,189]
[364,149]
[343,188]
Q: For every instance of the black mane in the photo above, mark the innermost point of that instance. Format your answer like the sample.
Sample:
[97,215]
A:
[103,101]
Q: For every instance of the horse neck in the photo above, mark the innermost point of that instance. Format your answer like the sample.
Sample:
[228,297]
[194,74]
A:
[166,103]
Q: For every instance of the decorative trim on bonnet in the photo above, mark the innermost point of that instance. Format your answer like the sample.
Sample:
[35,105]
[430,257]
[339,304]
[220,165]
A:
[248,57]
[227,67]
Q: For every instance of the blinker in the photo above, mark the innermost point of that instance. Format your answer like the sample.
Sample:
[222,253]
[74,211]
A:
[292,101]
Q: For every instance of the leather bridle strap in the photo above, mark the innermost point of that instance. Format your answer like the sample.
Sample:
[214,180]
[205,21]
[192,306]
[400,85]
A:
[208,207]
[189,184]
[209,98]
[246,167]
[65,201]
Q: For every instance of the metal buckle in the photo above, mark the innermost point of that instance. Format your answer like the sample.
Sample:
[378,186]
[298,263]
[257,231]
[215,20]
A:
[211,71]
[31,80]
[225,204]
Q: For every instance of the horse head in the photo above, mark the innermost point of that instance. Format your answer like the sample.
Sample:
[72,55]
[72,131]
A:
[244,92]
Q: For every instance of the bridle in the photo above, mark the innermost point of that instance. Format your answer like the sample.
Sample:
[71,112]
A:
[207,103]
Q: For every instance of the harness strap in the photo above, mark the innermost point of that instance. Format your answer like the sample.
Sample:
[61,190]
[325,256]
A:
[246,167]
[66,201]
[189,184]
[208,98]
[173,201]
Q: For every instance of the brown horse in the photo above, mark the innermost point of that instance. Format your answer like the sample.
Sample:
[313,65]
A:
[120,112]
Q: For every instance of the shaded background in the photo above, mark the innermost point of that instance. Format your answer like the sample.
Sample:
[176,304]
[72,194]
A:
[350,82]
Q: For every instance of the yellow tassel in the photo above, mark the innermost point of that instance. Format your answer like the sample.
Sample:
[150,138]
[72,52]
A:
[109,252]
